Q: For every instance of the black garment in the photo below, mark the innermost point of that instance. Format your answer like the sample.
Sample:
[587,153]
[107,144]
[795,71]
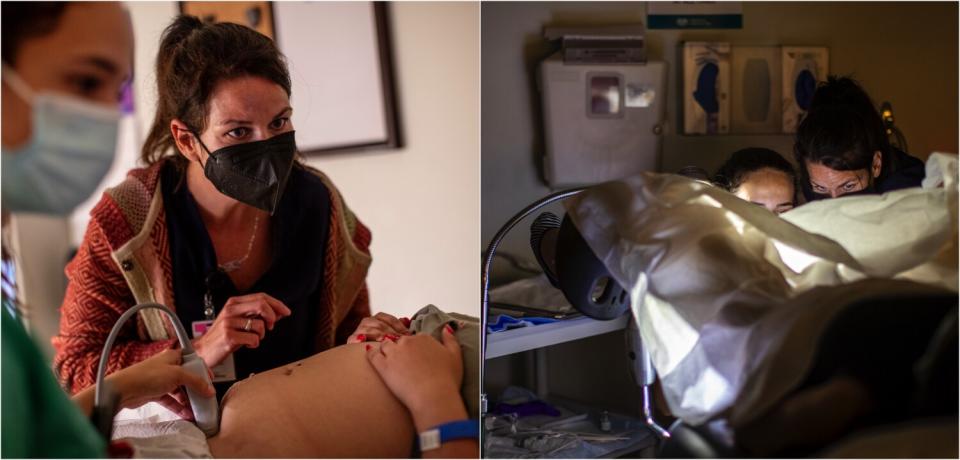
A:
[878,344]
[905,171]
[299,230]
[902,171]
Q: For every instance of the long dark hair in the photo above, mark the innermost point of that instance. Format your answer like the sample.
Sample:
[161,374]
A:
[193,58]
[842,130]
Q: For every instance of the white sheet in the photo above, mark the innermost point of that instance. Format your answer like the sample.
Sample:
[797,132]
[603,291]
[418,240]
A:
[154,431]
[170,439]
[720,286]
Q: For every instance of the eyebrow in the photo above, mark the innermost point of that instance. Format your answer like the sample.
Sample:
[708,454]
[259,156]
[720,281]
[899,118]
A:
[786,203]
[105,65]
[841,185]
[247,122]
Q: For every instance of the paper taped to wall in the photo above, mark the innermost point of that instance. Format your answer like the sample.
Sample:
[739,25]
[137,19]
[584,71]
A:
[803,67]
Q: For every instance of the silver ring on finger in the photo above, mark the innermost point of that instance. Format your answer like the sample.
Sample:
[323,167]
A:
[246,327]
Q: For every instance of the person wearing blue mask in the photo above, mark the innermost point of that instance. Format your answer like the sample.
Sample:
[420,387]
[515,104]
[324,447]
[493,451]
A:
[63,68]
[842,147]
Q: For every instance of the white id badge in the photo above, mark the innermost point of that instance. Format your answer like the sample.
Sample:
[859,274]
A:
[225,371]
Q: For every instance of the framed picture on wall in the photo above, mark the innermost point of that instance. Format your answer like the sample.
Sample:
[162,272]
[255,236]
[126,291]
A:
[255,15]
[339,54]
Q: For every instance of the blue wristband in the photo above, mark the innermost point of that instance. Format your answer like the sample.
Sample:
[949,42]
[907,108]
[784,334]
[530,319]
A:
[460,429]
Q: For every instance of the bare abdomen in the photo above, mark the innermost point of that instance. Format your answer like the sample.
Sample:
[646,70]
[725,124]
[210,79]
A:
[332,404]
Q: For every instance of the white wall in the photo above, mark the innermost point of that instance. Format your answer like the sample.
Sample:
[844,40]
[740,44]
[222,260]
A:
[422,201]
[903,52]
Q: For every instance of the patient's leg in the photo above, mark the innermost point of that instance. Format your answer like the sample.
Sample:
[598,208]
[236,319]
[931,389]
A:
[863,375]
[331,404]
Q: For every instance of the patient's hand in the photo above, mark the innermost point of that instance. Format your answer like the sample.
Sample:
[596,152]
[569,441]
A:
[376,327]
[424,374]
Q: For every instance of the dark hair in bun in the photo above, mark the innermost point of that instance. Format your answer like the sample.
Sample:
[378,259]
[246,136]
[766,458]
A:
[194,57]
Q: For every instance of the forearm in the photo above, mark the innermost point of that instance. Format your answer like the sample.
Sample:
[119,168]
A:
[84,399]
[444,408]
[77,360]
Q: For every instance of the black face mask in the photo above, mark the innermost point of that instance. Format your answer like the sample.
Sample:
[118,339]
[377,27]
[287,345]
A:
[254,173]
[870,189]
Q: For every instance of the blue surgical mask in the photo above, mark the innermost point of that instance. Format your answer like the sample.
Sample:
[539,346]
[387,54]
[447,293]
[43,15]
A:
[71,149]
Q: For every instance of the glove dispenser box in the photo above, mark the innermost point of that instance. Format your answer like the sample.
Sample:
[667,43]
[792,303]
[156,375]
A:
[602,121]
[706,88]
[803,67]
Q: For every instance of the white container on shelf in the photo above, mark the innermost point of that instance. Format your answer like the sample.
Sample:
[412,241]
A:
[602,121]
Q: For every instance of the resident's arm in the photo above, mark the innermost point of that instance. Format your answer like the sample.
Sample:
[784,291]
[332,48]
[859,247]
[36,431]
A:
[145,381]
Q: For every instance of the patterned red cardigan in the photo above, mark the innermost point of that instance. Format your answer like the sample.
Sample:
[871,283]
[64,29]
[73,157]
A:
[125,259]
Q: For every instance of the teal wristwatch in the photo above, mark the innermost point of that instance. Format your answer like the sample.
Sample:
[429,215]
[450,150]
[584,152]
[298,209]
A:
[460,429]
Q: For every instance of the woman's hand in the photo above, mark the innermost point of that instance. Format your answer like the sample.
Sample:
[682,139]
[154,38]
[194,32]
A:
[424,374]
[154,378]
[377,327]
[243,322]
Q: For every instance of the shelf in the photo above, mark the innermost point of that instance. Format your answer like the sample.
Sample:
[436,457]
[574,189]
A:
[532,337]
[581,418]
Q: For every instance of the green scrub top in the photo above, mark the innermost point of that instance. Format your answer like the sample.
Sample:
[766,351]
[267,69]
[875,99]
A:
[37,419]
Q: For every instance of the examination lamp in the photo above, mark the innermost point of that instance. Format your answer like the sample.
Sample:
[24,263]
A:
[572,244]
[899,141]
[485,274]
